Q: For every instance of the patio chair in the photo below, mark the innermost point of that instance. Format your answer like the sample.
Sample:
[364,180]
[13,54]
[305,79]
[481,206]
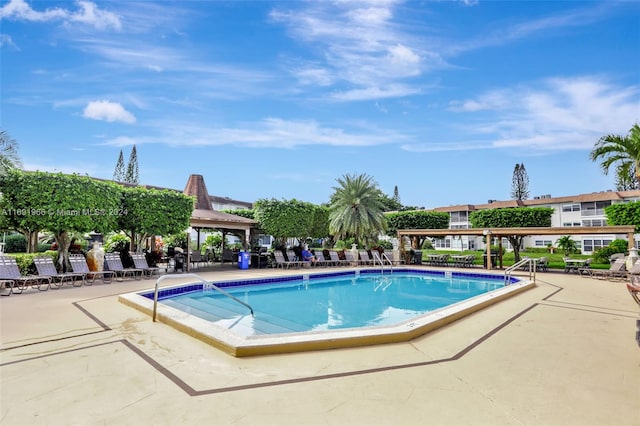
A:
[321,261]
[46,268]
[114,263]
[195,258]
[365,259]
[229,256]
[281,262]
[7,287]
[585,269]
[335,258]
[79,264]
[9,271]
[140,262]
[616,270]
[543,264]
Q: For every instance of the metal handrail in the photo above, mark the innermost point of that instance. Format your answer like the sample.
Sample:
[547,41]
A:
[532,268]
[213,286]
[377,256]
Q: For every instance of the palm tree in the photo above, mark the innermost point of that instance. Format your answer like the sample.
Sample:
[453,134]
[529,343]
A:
[356,209]
[567,244]
[623,151]
[9,158]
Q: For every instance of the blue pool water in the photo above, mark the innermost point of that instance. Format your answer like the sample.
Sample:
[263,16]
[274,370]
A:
[329,303]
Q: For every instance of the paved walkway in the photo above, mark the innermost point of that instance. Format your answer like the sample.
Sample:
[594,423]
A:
[562,353]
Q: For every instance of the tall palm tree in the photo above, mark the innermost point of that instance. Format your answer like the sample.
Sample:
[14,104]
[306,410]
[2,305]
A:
[9,158]
[356,209]
[623,151]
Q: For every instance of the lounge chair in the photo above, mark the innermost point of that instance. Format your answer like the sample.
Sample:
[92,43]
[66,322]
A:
[585,269]
[633,286]
[321,261]
[335,258]
[46,268]
[114,263]
[7,287]
[79,264]
[365,259]
[635,269]
[281,262]
[9,271]
[140,262]
[350,259]
[616,270]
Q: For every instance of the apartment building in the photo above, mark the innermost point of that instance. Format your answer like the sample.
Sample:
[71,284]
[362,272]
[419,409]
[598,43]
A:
[574,210]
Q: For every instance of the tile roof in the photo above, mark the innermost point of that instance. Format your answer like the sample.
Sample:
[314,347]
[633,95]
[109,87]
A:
[198,189]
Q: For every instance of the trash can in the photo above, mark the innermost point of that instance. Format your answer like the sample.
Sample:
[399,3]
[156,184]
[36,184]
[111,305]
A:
[417,257]
[494,260]
[243,260]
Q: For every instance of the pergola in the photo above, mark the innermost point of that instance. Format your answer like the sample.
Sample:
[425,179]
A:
[503,232]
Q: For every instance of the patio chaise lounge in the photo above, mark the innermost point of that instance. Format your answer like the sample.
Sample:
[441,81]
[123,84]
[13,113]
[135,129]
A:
[79,264]
[9,271]
[114,263]
[46,268]
[616,270]
[140,262]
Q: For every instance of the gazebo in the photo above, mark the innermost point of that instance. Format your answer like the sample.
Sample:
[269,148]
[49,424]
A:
[205,217]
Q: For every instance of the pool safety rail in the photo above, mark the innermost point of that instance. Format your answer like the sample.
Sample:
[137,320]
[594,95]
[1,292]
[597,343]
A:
[381,259]
[206,284]
[522,264]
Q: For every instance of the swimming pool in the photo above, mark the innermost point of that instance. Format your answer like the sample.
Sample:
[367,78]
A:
[324,310]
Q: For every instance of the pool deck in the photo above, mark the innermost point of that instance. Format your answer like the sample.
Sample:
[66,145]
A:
[562,353]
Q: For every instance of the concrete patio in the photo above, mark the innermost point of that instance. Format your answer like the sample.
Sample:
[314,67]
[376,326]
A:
[562,353]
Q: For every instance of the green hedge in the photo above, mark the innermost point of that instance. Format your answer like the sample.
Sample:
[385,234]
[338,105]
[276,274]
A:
[25,261]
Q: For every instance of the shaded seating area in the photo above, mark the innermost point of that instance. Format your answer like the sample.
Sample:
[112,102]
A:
[79,265]
[114,263]
[140,262]
[46,268]
[10,273]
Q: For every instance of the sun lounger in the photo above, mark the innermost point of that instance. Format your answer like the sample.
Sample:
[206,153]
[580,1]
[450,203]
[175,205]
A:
[140,262]
[616,270]
[321,261]
[114,263]
[46,268]
[79,264]
[281,262]
[9,271]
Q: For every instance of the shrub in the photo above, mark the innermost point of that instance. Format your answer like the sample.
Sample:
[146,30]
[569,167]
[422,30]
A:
[15,243]
[116,242]
[616,246]
[25,261]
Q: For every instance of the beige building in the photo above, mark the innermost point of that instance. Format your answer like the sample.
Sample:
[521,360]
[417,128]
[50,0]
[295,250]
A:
[585,210]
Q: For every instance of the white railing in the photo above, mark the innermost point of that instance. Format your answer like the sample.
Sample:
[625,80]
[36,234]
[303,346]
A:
[519,265]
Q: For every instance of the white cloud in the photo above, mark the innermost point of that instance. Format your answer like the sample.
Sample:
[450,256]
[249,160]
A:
[6,40]
[559,113]
[359,45]
[267,133]
[108,111]
[87,13]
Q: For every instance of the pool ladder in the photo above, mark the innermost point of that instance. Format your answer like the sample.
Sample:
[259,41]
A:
[521,263]
[208,285]
[381,259]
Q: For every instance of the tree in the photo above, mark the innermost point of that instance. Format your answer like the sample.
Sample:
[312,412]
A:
[355,209]
[567,244]
[622,151]
[520,217]
[626,179]
[9,158]
[146,212]
[621,214]
[417,219]
[61,204]
[389,204]
[119,174]
[520,183]
[133,175]
[284,219]
[396,194]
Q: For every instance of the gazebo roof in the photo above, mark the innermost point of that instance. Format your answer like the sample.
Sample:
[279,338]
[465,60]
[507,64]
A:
[204,216]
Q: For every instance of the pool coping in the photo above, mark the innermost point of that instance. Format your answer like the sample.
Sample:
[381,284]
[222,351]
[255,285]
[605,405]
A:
[243,346]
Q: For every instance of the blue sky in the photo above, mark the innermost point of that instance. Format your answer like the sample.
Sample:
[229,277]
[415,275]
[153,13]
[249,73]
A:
[279,99]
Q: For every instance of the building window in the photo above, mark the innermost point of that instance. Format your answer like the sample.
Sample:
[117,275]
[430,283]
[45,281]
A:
[571,208]
[543,243]
[594,208]
[458,216]
[442,243]
[594,222]
[592,245]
